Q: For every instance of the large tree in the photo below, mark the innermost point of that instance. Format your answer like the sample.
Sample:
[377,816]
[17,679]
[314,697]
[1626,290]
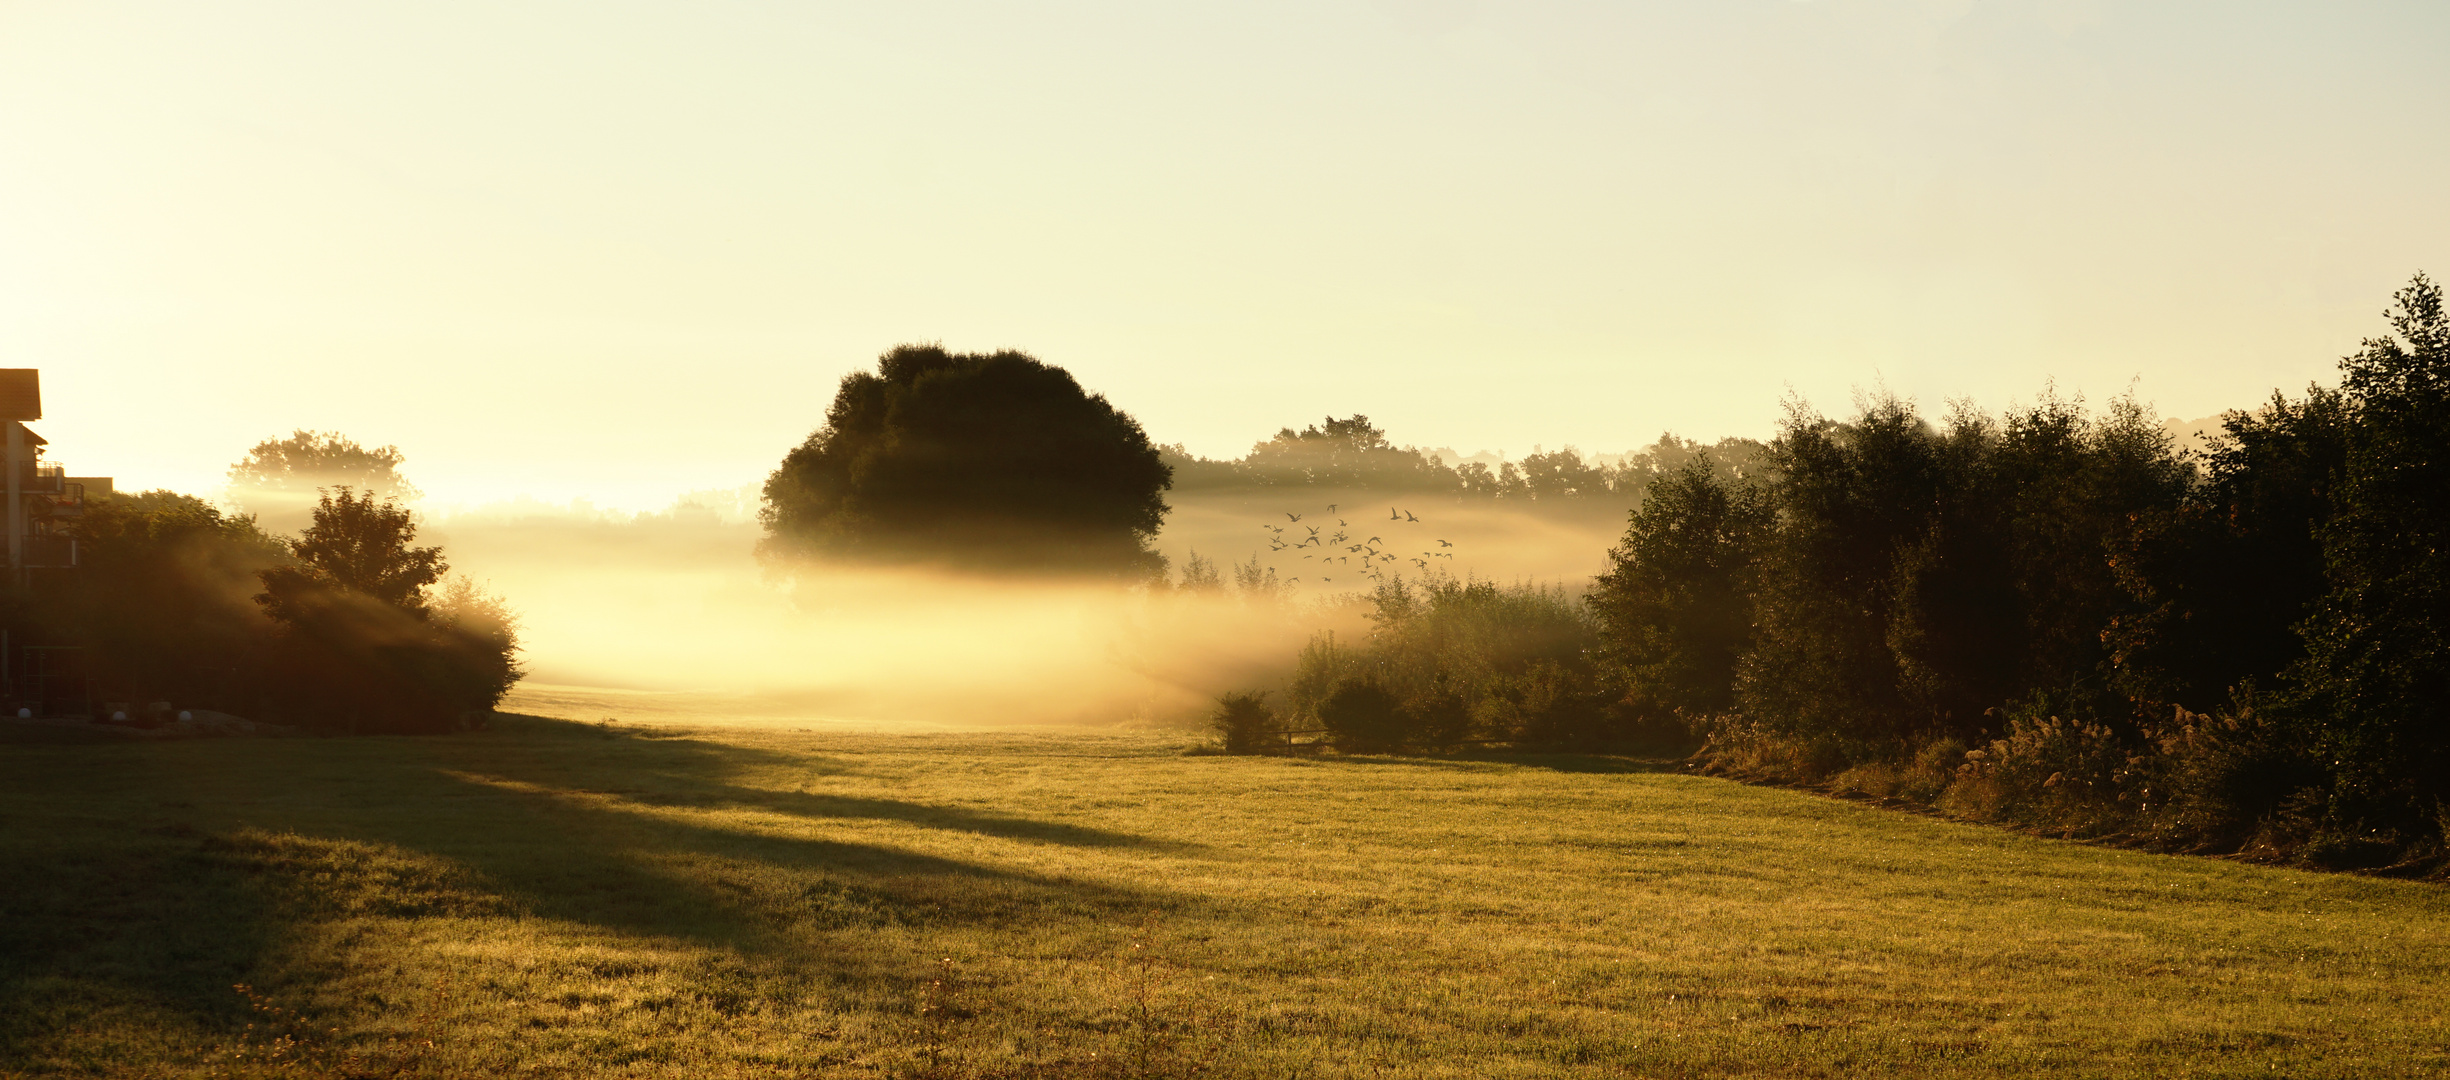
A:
[989,461]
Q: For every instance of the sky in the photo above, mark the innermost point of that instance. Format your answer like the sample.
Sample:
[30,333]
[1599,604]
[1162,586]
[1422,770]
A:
[624,250]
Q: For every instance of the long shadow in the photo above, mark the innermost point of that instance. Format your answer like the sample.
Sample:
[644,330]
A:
[93,924]
[151,877]
[685,771]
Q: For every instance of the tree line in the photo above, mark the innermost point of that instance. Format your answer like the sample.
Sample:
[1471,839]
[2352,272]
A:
[1352,453]
[2053,616]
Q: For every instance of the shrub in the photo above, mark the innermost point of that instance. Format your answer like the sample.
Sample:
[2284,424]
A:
[1245,722]
[1466,659]
[1363,717]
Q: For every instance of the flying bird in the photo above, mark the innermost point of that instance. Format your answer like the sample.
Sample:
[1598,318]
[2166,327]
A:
[1331,508]
[1446,543]
[1292,515]
[1408,516]
[1392,515]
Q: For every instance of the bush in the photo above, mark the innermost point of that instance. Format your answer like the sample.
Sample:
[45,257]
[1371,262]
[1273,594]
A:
[1363,717]
[1245,722]
[1462,660]
[363,645]
[2046,770]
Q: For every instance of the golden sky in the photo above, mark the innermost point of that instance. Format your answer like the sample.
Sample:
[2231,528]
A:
[622,250]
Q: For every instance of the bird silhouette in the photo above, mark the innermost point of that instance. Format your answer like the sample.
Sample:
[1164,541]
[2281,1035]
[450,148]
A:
[1408,516]
[1331,508]
[1314,530]
[1446,543]
[1292,515]
[1376,540]
[1392,515]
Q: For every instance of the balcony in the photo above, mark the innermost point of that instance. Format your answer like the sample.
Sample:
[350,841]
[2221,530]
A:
[42,478]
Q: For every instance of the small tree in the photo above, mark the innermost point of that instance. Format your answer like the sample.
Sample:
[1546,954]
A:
[1244,721]
[1675,608]
[359,543]
[362,642]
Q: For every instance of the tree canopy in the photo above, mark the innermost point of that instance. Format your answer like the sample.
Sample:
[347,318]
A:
[990,461]
[278,480]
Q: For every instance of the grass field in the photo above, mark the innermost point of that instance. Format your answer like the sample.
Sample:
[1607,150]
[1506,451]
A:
[559,898]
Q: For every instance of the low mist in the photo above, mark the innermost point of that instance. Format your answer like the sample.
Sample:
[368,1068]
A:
[669,616]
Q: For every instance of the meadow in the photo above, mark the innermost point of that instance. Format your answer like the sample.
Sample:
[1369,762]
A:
[628,898]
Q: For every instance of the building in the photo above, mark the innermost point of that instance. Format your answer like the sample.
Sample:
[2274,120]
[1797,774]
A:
[43,501]
[39,678]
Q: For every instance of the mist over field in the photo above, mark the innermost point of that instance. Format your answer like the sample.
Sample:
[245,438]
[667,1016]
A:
[670,614]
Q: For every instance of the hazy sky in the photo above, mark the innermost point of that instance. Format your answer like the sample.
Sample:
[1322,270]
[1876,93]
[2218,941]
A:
[622,250]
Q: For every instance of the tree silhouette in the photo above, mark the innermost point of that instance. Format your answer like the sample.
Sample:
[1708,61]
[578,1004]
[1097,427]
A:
[278,480]
[359,641]
[989,461]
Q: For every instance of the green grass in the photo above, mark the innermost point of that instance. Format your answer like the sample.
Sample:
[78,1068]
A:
[552,898]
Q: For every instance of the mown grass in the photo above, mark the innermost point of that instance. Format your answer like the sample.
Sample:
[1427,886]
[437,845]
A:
[554,898]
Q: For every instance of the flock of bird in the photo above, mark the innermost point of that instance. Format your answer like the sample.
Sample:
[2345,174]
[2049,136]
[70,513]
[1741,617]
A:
[1338,549]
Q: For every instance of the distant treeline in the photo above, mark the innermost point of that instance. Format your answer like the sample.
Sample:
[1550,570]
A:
[1352,453]
[2054,617]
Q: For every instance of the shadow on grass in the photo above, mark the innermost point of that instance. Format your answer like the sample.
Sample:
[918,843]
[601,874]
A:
[1476,759]
[146,923]
[145,879]
[650,768]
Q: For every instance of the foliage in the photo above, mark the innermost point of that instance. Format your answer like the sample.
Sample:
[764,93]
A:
[2371,688]
[1452,659]
[2222,581]
[992,461]
[1244,722]
[2094,615]
[1199,575]
[1675,608]
[1920,576]
[279,478]
[359,544]
[1363,717]
[159,603]
[360,643]
[1352,453]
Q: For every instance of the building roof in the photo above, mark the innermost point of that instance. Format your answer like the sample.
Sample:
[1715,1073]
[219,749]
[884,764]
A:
[21,393]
